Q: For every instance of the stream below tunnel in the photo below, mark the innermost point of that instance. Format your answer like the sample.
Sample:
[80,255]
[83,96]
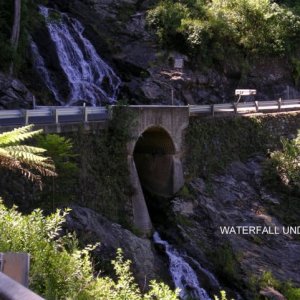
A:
[182,273]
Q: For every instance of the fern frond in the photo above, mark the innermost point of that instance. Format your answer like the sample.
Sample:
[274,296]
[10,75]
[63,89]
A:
[25,156]
[25,148]
[28,160]
[18,135]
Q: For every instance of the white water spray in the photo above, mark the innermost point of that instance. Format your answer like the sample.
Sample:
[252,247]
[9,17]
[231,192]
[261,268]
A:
[182,274]
[90,79]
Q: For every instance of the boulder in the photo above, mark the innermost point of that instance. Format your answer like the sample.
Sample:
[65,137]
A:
[14,94]
[91,227]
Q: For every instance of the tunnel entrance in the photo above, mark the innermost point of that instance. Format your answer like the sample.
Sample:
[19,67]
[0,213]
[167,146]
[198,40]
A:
[154,159]
[155,170]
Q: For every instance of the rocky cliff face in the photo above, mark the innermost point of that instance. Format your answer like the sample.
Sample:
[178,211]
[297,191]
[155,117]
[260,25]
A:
[117,28]
[14,94]
[236,198]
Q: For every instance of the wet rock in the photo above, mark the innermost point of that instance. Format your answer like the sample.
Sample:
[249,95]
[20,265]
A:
[118,30]
[14,94]
[237,197]
[272,294]
[91,227]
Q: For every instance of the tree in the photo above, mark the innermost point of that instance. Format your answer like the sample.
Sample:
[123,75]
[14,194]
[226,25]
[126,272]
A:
[14,39]
[28,160]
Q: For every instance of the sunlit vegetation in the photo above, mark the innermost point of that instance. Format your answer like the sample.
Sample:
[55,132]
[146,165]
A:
[282,175]
[214,29]
[28,160]
[59,269]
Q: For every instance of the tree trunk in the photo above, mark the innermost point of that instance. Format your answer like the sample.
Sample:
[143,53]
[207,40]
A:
[14,39]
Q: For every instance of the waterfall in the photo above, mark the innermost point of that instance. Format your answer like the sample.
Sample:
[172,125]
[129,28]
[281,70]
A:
[184,277]
[40,66]
[90,79]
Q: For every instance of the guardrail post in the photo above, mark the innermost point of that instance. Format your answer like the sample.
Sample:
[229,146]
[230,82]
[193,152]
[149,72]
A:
[110,112]
[279,104]
[256,105]
[25,113]
[213,110]
[16,266]
[235,107]
[56,115]
[85,114]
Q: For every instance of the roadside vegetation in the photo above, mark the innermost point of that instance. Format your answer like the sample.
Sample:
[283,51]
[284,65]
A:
[59,269]
[282,175]
[213,30]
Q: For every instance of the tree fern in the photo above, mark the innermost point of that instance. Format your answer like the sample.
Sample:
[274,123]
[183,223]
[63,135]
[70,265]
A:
[28,160]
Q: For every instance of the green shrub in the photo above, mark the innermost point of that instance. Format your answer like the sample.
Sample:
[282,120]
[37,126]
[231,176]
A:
[251,26]
[226,264]
[290,292]
[58,191]
[166,18]
[59,270]
[286,163]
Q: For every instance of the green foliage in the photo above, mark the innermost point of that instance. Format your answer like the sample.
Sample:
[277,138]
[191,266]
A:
[166,19]
[28,160]
[213,143]
[290,292]
[226,264]
[286,163]
[282,174]
[104,178]
[59,190]
[59,270]
[29,19]
[60,149]
[267,279]
[250,27]
[223,296]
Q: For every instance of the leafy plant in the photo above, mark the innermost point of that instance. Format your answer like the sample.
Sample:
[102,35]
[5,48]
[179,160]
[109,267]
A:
[28,160]
[223,296]
[286,163]
[59,190]
[250,27]
[59,269]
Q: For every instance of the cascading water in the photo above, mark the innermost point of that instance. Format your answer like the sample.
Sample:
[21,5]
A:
[90,79]
[40,66]
[182,274]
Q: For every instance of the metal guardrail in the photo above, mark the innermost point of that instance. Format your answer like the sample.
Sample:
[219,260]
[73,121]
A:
[247,107]
[12,290]
[57,114]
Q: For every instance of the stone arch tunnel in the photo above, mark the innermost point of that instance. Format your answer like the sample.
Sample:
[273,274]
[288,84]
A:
[154,158]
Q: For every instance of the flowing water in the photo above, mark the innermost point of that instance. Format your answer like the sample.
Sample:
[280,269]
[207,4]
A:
[90,79]
[184,277]
[40,66]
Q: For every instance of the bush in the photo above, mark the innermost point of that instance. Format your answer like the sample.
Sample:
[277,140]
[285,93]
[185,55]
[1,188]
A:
[286,163]
[252,26]
[166,18]
[59,190]
[59,270]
